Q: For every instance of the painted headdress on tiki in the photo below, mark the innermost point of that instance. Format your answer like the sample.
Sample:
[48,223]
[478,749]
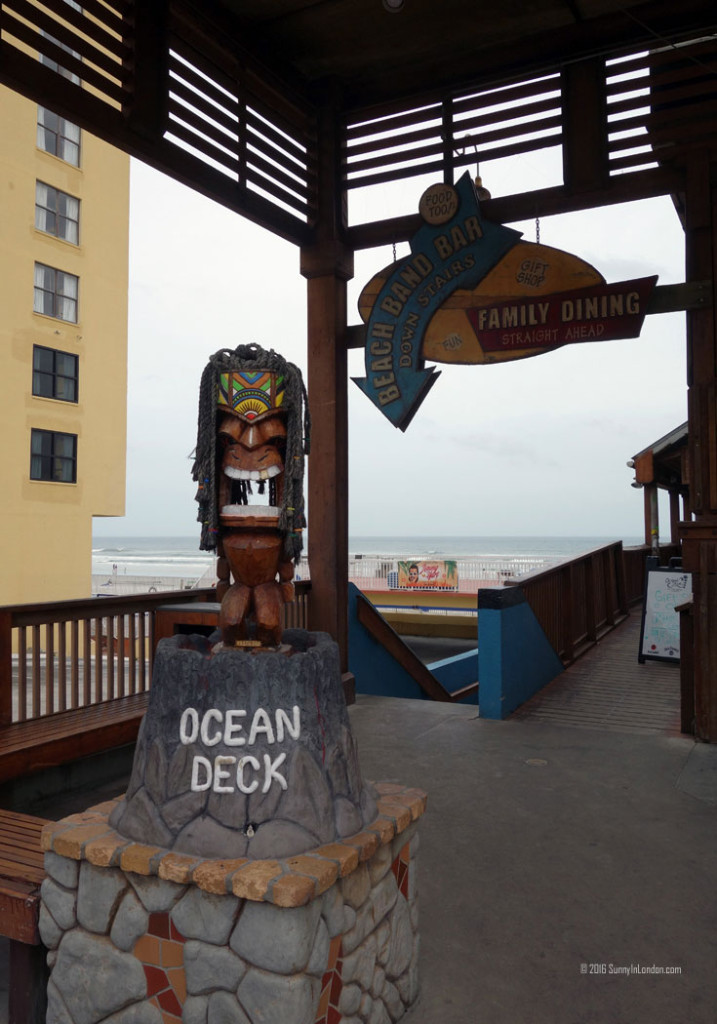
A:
[252,435]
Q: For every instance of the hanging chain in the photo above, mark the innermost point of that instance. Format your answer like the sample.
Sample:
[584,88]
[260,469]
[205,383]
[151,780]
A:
[537,230]
[394,252]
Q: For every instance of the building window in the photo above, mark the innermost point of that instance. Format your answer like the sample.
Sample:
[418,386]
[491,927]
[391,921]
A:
[50,63]
[57,213]
[56,293]
[53,456]
[54,374]
[57,136]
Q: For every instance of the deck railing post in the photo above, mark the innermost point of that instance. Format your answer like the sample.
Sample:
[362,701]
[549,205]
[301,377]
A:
[566,587]
[622,602]
[5,667]
[591,614]
[610,586]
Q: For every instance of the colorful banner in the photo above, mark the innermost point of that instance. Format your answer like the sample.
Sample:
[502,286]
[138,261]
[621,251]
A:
[428,575]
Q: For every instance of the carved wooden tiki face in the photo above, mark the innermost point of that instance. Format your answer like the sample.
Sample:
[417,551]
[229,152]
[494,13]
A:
[252,440]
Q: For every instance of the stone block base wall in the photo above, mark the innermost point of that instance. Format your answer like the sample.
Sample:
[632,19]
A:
[138,935]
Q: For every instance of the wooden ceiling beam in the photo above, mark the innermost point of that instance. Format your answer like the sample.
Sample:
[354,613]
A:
[545,202]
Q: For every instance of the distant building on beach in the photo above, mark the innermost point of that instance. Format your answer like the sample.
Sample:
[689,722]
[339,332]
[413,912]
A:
[64,213]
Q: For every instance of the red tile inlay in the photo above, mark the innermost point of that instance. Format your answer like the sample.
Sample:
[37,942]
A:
[159,925]
[167,1018]
[156,979]
[400,867]
[403,879]
[166,991]
[168,1001]
[335,989]
[331,984]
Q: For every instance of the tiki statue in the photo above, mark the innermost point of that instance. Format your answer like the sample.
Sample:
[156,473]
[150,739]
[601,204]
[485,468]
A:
[253,432]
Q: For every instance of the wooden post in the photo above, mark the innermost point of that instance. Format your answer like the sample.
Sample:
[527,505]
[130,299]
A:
[146,109]
[674,516]
[610,587]
[29,973]
[618,561]
[566,614]
[699,547]
[652,526]
[5,667]
[328,265]
[591,610]
[585,149]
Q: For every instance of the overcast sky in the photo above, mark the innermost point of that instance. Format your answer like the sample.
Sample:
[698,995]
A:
[533,447]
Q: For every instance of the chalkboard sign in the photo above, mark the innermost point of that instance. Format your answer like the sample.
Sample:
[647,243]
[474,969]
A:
[660,633]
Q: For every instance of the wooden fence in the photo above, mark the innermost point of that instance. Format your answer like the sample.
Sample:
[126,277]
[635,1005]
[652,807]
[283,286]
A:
[578,601]
[60,656]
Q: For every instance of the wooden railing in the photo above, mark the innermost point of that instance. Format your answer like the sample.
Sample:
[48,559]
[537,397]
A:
[634,562]
[64,655]
[578,601]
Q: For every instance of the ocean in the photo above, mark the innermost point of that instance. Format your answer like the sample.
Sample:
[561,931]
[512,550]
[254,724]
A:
[471,547]
[180,558]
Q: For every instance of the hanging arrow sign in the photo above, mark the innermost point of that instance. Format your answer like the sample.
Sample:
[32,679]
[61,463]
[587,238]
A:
[455,248]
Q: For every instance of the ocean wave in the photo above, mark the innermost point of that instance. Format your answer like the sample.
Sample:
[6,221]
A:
[159,556]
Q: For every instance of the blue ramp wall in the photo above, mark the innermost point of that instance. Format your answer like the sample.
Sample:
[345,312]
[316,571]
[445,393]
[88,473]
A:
[456,672]
[377,672]
[515,658]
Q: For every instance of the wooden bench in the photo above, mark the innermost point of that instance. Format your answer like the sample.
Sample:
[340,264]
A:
[67,736]
[21,874]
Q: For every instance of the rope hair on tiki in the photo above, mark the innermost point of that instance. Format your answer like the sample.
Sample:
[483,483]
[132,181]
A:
[253,358]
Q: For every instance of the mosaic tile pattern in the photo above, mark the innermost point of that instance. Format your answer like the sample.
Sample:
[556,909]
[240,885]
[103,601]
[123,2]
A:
[161,953]
[328,1009]
[131,935]
[400,868]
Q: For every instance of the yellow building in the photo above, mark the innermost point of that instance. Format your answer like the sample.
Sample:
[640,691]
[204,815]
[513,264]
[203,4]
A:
[64,211]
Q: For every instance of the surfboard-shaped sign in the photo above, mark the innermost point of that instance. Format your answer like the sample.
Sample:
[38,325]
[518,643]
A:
[471,291]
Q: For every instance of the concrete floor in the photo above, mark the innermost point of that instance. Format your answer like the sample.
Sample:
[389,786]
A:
[545,849]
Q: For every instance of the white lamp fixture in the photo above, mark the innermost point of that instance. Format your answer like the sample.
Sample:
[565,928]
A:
[393,6]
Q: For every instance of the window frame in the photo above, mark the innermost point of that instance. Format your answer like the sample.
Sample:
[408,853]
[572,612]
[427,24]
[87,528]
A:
[63,141]
[56,295]
[54,211]
[54,459]
[55,374]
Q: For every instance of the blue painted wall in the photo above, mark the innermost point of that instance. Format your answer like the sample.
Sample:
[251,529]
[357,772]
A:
[456,672]
[376,671]
[515,658]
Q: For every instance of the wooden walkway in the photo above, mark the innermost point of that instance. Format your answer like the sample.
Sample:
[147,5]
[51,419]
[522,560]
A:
[608,689]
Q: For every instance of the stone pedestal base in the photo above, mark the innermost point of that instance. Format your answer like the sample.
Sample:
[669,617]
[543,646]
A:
[141,935]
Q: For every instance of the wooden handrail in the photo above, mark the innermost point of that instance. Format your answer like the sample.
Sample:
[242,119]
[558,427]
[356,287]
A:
[99,607]
[560,566]
[578,601]
[108,653]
